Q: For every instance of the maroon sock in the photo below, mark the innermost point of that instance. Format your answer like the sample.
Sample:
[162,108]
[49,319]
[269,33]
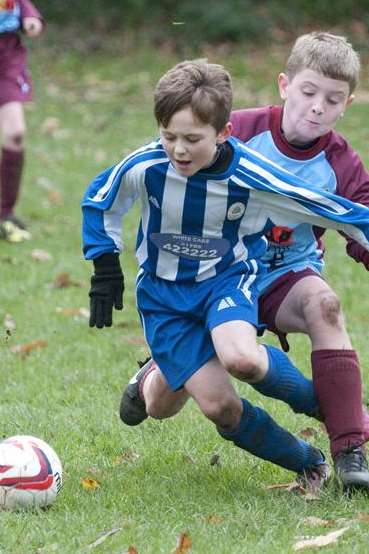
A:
[11,166]
[337,382]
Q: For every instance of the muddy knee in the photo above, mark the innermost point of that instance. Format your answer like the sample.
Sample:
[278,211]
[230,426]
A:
[244,367]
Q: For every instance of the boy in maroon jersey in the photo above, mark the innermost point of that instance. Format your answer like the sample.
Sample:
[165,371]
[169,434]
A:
[15,89]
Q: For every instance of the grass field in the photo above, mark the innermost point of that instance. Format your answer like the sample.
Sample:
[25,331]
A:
[160,480]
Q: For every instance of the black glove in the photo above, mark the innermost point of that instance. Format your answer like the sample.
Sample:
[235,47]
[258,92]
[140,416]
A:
[107,286]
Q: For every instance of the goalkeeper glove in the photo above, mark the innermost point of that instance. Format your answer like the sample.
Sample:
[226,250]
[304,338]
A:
[106,292]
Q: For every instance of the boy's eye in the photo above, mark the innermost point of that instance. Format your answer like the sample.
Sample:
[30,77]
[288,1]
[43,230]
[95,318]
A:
[193,139]
[332,102]
[307,93]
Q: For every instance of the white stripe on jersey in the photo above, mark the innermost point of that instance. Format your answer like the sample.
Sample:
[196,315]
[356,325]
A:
[103,192]
[311,195]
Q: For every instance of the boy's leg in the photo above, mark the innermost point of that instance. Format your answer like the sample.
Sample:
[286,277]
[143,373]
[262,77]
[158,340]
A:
[250,428]
[13,128]
[148,394]
[266,368]
[312,307]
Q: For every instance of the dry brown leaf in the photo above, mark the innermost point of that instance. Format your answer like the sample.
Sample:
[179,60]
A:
[90,484]
[9,323]
[135,339]
[27,348]
[213,519]
[54,197]
[104,536]
[50,125]
[64,280]
[308,432]
[315,521]
[215,460]
[41,255]
[127,456]
[321,540]
[73,312]
[363,516]
[184,544]
[292,486]
[132,550]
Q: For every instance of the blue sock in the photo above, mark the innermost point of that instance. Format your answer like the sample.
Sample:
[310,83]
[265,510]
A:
[284,381]
[260,435]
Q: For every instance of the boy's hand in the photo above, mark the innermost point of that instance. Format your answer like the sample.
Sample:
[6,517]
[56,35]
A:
[32,26]
[106,292]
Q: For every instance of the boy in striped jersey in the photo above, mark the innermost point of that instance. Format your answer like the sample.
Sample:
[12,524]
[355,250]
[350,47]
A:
[206,201]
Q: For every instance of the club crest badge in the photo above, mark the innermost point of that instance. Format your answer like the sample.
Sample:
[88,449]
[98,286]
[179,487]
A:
[236,211]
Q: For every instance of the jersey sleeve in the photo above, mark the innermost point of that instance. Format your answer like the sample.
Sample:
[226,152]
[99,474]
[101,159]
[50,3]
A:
[353,184]
[249,122]
[27,9]
[108,197]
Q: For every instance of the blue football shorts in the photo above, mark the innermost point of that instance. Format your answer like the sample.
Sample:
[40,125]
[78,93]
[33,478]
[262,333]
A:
[177,317]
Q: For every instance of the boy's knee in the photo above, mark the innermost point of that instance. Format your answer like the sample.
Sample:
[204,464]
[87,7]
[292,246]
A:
[14,140]
[323,308]
[244,366]
[224,411]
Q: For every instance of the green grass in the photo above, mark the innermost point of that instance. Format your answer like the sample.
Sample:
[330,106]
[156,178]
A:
[157,480]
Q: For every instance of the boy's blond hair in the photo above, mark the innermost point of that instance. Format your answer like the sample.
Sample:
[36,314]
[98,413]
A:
[203,86]
[331,55]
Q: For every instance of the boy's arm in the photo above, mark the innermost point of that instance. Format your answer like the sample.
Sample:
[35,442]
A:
[103,206]
[29,10]
[353,183]
[293,201]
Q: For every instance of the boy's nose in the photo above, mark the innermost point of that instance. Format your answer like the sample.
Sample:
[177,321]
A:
[179,148]
[317,109]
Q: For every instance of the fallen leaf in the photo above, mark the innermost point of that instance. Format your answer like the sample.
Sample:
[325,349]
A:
[363,516]
[213,519]
[90,484]
[127,456]
[27,348]
[64,280]
[50,125]
[73,312]
[312,520]
[132,550]
[321,540]
[104,536]
[308,432]
[41,255]
[215,460]
[184,544]
[291,486]
[135,339]
[54,197]
[9,323]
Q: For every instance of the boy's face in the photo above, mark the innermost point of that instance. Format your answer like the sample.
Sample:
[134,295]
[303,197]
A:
[191,144]
[313,104]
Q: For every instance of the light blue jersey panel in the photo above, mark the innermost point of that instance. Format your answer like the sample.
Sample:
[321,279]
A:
[304,250]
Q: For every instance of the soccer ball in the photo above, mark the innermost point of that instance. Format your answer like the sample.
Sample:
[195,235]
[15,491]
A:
[30,473]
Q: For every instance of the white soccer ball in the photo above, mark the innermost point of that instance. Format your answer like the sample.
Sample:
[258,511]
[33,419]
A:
[30,473]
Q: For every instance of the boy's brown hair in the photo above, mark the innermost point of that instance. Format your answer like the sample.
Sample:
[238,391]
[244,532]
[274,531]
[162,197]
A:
[331,55]
[203,86]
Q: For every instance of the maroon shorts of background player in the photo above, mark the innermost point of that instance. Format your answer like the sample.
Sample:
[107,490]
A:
[15,80]
[271,300]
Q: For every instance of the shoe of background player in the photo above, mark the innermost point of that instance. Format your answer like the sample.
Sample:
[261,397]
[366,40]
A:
[351,468]
[132,407]
[13,230]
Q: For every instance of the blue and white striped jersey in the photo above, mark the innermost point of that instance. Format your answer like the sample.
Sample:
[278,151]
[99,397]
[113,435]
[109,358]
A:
[193,228]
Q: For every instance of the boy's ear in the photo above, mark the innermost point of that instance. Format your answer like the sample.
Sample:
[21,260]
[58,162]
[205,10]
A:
[283,82]
[350,100]
[225,133]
